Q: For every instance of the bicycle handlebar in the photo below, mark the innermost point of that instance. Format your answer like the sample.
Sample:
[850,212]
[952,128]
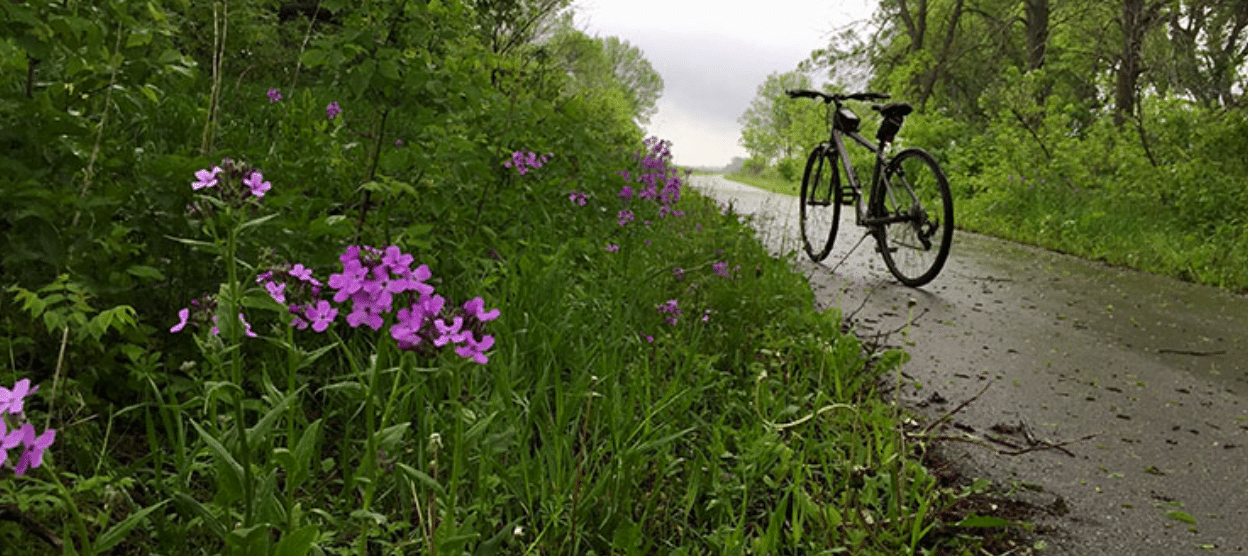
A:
[806,93]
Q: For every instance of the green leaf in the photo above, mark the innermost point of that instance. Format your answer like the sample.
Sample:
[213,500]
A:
[257,221]
[262,427]
[224,457]
[298,542]
[118,532]
[142,271]
[311,358]
[983,521]
[1182,516]
[313,57]
[251,541]
[186,502]
[421,477]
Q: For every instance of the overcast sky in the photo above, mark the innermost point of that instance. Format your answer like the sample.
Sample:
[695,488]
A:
[713,55]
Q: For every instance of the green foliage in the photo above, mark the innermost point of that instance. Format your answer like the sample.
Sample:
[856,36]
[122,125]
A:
[776,127]
[1056,129]
[597,426]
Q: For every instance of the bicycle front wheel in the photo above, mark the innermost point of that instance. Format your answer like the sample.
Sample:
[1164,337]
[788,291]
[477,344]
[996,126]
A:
[915,245]
[819,206]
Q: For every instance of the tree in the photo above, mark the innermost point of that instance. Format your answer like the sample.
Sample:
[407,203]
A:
[635,74]
[606,66]
[770,127]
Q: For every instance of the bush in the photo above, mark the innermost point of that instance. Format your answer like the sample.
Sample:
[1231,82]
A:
[790,168]
[754,166]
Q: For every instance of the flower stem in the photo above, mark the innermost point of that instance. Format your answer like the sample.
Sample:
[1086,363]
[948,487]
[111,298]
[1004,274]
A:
[231,326]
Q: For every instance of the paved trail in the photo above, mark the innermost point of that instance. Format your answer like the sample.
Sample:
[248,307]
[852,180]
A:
[1155,369]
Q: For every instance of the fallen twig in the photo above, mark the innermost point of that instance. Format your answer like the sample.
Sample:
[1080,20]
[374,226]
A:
[960,406]
[1191,352]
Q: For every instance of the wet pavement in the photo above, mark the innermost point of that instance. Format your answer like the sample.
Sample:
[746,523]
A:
[1126,393]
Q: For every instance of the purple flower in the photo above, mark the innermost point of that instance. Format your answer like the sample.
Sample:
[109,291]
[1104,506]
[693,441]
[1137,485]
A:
[8,440]
[274,95]
[257,184]
[476,308]
[277,291]
[399,261]
[362,314]
[183,315]
[35,445]
[349,281]
[12,401]
[679,273]
[721,268]
[577,197]
[246,327]
[626,192]
[205,178]
[672,309]
[448,332]
[321,315]
[302,273]
[332,110]
[624,217]
[474,350]
[407,327]
[613,248]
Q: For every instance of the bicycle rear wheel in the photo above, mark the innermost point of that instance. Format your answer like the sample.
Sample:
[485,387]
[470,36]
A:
[915,248]
[819,205]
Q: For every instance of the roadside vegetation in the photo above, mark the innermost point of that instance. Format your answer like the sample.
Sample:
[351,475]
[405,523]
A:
[404,278]
[1114,131]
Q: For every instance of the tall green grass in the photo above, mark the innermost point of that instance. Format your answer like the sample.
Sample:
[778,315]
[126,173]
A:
[749,424]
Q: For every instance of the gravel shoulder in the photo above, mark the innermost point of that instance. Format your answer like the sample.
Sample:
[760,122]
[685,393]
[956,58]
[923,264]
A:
[1126,393]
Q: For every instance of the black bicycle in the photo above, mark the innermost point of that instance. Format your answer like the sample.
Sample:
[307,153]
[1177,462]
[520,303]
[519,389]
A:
[909,210]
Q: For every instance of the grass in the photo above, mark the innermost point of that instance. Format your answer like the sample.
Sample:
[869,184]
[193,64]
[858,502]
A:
[768,180]
[1135,233]
[747,423]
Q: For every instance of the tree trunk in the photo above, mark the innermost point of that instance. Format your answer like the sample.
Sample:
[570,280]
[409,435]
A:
[1037,22]
[1137,18]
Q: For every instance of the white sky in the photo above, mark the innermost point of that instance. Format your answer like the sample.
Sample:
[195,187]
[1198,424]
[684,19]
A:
[713,55]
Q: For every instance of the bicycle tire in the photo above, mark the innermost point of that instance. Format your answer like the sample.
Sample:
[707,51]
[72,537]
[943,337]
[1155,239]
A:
[819,205]
[915,250]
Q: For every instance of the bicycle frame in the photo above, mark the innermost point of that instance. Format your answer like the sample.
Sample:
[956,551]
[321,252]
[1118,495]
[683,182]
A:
[870,217]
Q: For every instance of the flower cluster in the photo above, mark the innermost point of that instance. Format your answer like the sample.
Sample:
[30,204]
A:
[577,197]
[275,95]
[18,432]
[671,309]
[236,181]
[624,217]
[378,282]
[332,110]
[295,287]
[657,181]
[527,161]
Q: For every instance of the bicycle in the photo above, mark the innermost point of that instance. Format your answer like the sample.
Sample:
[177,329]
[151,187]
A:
[909,210]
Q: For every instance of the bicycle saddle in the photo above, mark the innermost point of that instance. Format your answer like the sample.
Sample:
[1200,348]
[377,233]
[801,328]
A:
[893,109]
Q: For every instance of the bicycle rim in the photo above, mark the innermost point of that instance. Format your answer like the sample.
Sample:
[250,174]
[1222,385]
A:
[819,206]
[915,249]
